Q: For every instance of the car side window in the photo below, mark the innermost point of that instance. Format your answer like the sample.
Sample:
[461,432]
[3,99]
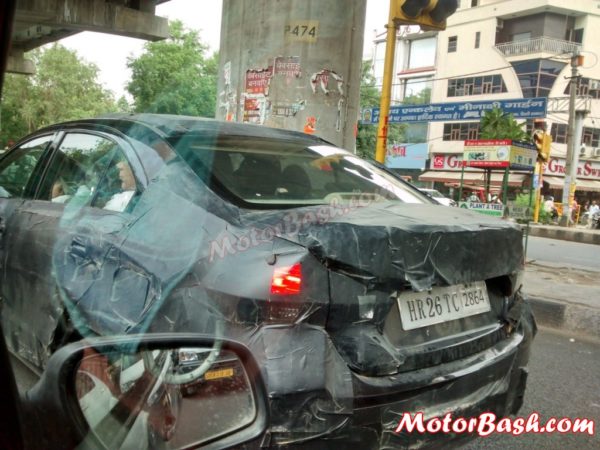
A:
[90,170]
[16,169]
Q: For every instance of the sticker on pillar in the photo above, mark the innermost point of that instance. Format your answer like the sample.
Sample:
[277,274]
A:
[288,67]
[340,111]
[301,31]
[227,97]
[322,79]
[311,125]
[256,108]
[288,109]
[257,81]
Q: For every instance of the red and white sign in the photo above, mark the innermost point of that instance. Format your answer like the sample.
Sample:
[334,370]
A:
[487,142]
[452,161]
[397,150]
[257,81]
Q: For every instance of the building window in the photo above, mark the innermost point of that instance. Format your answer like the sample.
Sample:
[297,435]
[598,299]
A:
[461,131]
[587,86]
[521,37]
[575,35]
[558,131]
[591,137]
[417,90]
[477,39]
[489,84]
[537,76]
[452,44]
[474,3]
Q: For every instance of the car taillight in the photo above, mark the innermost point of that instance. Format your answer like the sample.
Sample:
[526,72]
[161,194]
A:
[287,280]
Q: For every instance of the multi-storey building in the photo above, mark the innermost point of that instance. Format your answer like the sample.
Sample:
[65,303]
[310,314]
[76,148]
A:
[506,49]
[501,49]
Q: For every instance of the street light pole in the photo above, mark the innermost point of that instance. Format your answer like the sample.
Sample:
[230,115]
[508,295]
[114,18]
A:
[571,164]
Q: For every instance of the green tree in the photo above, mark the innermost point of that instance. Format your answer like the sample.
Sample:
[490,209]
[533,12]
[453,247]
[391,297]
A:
[370,97]
[64,87]
[496,125]
[175,76]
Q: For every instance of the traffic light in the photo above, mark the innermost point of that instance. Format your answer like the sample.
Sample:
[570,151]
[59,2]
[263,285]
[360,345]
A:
[429,14]
[542,142]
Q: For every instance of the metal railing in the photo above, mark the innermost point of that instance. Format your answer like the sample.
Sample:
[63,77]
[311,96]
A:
[537,45]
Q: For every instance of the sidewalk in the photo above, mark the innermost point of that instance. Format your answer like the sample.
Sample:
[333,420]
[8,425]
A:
[565,298]
[576,234]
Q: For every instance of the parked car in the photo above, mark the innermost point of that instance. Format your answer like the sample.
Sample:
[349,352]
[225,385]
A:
[438,197]
[359,297]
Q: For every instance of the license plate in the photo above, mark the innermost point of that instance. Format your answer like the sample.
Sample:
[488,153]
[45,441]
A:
[442,304]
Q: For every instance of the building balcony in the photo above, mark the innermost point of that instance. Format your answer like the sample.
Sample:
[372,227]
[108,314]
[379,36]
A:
[537,45]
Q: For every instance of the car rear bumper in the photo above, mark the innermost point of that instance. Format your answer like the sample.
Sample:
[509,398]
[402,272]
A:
[366,415]
[491,381]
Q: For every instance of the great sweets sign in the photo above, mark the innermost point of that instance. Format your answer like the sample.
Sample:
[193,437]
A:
[520,108]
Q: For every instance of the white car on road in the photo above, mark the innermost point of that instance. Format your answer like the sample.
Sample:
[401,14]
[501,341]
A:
[438,197]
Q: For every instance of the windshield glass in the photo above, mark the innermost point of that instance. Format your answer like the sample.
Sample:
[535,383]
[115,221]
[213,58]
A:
[270,173]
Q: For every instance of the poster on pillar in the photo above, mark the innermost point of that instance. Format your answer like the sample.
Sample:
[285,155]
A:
[293,65]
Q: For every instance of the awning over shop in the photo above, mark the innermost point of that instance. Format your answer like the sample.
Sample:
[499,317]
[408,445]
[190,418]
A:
[514,179]
[554,182]
[582,185]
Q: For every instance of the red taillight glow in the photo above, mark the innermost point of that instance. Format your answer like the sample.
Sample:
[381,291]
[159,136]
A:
[287,280]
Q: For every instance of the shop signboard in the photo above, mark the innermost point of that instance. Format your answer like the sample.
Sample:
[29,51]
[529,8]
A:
[586,169]
[499,153]
[407,156]
[491,153]
[523,156]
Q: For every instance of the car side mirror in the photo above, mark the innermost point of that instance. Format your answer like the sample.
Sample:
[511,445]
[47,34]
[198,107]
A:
[157,391]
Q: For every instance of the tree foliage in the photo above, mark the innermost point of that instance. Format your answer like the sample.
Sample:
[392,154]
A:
[496,125]
[175,76]
[420,98]
[64,87]
[370,97]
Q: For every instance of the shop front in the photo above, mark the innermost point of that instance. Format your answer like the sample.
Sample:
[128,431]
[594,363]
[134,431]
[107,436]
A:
[445,172]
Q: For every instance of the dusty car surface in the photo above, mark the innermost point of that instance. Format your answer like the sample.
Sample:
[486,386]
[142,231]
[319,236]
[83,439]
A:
[359,298]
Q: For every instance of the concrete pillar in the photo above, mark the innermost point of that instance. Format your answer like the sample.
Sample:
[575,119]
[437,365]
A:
[293,64]
[18,64]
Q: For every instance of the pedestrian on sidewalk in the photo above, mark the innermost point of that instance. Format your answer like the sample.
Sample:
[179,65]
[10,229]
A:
[594,209]
[550,208]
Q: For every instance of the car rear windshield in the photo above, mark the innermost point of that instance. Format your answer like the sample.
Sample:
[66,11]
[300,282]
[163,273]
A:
[271,173]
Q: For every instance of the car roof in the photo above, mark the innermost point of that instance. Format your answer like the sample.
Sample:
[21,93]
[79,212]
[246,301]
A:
[167,125]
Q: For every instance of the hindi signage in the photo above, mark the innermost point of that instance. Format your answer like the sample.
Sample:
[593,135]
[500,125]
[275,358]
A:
[521,108]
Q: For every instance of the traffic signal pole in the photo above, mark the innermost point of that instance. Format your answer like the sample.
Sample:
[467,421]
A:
[386,92]
[429,15]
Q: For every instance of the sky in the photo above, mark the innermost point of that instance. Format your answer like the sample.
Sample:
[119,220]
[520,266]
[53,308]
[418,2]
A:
[110,52]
